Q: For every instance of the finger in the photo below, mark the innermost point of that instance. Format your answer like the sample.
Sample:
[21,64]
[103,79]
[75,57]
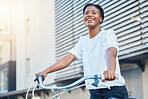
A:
[113,75]
[105,72]
[106,75]
[104,80]
[109,75]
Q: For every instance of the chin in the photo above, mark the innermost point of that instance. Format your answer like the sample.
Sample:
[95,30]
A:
[90,24]
[91,27]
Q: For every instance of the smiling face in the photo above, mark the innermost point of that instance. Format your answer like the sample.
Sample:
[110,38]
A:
[92,17]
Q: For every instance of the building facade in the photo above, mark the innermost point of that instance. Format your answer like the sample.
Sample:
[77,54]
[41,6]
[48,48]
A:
[7,45]
[127,18]
[47,29]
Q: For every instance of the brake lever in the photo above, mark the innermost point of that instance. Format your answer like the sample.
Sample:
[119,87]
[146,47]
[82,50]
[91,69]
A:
[40,75]
[96,81]
[36,79]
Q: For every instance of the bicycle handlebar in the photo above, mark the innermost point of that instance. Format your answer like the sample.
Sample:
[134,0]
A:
[40,79]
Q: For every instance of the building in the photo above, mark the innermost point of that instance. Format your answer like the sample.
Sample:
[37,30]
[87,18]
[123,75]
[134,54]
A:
[7,46]
[46,30]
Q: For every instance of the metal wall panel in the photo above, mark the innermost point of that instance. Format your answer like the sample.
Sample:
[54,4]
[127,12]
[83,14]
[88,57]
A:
[126,18]
[129,18]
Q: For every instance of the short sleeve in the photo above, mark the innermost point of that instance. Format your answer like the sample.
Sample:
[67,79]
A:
[77,50]
[111,41]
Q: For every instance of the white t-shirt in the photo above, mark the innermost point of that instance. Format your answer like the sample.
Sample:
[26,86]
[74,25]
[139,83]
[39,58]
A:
[92,52]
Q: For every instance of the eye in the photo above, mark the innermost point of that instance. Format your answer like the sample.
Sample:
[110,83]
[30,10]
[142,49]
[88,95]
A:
[93,12]
[86,13]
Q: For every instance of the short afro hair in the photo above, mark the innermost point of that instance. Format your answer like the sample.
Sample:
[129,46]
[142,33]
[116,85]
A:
[97,6]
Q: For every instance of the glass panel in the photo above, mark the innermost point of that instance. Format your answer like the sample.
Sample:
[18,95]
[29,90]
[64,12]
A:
[0,82]
[5,51]
[4,21]
[27,65]
[27,26]
[5,81]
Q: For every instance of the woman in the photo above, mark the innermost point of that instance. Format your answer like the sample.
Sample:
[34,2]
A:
[98,52]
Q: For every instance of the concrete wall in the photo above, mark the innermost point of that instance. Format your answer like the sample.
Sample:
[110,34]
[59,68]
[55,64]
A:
[76,94]
[36,43]
[133,78]
[145,81]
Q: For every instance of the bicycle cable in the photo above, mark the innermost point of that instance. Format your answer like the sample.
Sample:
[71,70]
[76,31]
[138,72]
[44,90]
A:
[28,90]
[67,91]
[34,90]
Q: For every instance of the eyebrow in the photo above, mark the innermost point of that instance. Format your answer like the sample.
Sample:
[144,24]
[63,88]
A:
[92,10]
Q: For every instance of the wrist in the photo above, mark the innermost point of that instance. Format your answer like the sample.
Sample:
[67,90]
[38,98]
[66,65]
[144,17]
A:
[111,69]
[46,72]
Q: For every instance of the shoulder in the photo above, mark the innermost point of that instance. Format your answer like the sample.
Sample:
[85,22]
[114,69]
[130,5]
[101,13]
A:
[110,33]
[82,38]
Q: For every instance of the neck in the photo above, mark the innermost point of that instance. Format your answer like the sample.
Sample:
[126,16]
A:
[94,31]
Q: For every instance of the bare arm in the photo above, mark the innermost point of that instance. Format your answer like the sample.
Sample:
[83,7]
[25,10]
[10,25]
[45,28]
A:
[111,63]
[64,62]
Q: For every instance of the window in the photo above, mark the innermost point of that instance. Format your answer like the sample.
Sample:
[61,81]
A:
[27,65]
[27,26]
[0,61]
[4,21]
[3,81]
[0,55]
[0,81]
[5,51]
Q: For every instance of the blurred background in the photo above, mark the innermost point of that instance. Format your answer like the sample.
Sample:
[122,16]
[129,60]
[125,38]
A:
[34,34]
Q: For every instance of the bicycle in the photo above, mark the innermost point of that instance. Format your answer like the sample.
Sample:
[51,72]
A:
[69,87]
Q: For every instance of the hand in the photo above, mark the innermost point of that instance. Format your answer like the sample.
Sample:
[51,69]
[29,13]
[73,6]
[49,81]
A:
[43,73]
[109,75]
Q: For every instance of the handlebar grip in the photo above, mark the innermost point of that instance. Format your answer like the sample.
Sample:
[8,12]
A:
[103,76]
[40,75]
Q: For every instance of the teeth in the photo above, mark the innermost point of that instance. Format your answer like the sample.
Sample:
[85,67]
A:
[89,19]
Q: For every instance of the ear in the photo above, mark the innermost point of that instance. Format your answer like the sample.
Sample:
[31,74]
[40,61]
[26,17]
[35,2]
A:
[101,19]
